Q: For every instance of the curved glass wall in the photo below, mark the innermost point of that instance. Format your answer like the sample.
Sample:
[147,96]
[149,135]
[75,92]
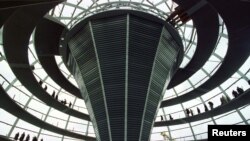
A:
[70,13]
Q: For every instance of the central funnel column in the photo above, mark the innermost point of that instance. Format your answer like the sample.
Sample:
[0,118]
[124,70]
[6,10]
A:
[123,61]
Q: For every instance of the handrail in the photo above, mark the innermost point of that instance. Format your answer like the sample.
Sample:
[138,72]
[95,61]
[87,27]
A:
[9,105]
[27,94]
[214,95]
[240,101]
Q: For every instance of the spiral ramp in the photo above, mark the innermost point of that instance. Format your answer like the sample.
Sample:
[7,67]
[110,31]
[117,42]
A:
[34,28]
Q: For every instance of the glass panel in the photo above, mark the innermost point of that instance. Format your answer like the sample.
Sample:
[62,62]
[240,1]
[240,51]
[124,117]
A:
[245,112]
[229,119]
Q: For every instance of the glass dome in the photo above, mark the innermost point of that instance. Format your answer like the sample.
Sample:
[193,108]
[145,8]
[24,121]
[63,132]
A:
[70,13]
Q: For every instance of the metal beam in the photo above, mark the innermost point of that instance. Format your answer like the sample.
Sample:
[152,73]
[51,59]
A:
[126,79]
[100,75]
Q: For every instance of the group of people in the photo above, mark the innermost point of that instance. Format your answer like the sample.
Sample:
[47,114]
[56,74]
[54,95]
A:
[55,96]
[223,99]
[64,102]
[238,92]
[189,112]
[23,138]
[170,118]
[235,93]
[179,15]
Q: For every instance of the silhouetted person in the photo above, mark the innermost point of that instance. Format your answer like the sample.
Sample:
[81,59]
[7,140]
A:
[235,94]
[222,100]
[170,117]
[16,136]
[187,112]
[64,102]
[192,113]
[34,139]
[22,137]
[40,82]
[57,97]
[161,118]
[27,138]
[198,110]
[211,105]
[70,104]
[240,90]
[205,107]
[53,94]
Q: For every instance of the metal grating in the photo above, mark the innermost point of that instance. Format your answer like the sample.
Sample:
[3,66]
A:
[110,39]
[144,37]
[122,62]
